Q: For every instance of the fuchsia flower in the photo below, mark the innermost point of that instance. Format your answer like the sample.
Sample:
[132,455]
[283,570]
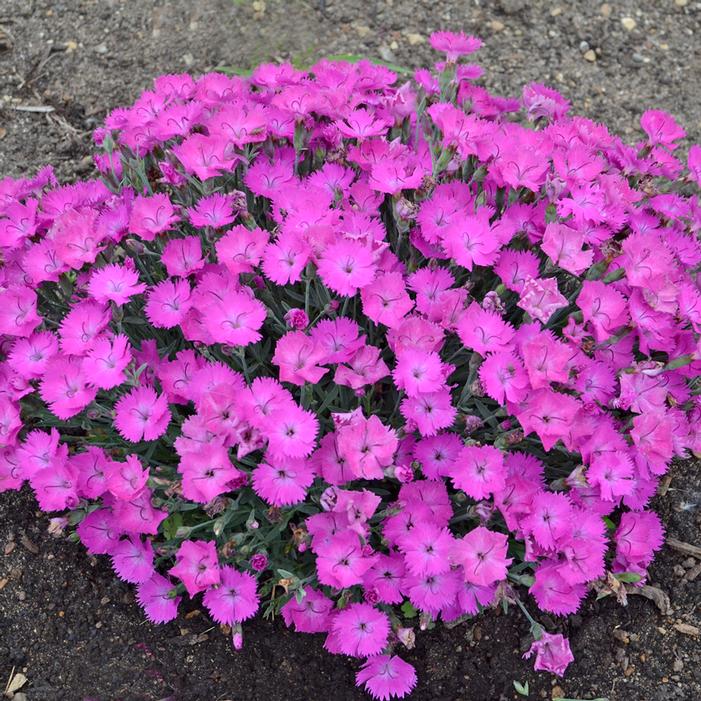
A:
[482,554]
[106,361]
[454,45]
[359,630]
[197,566]
[386,677]
[552,653]
[234,598]
[154,596]
[515,298]
[347,266]
[182,257]
[283,481]
[115,283]
[167,303]
[142,415]
[151,216]
[311,614]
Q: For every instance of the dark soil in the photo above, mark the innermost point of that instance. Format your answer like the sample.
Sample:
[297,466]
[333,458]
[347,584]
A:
[65,621]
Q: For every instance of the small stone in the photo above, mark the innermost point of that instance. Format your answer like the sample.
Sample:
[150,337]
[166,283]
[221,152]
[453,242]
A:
[362,30]
[9,547]
[557,692]
[556,11]
[638,58]
[590,56]
[677,665]
[688,563]
[71,46]
[21,595]
[605,10]
[621,635]
[101,49]
[628,23]
[415,39]
[628,671]
[386,54]
[393,45]
[681,3]
[496,26]
[188,59]
[679,571]
[687,629]
[258,6]
[583,46]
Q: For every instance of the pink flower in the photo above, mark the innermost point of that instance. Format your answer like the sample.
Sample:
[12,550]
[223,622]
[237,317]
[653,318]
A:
[482,554]
[132,560]
[151,216]
[361,124]
[81,326]
[116,283]
[484,331]
[234,598]
[339,338]
[479,471]
[430,412]
[106,361]
[291,432]
[142,415]
[454,44]
[182,257]
[552,653]
[241,249]
[366,367]
[340,561]
[346,267]
[207,473]
[126,480]
[297,319]
[167,303]
[385,300]
[386,677]
[216,211]
[30,356]
[503,377]
[154,596]
[550,519]
[310,614]
[419,372]
[359,630]
[282,481]
[541,298]
[285,259]
[65,387]
[235,319]
[297,356]
[427,549]
[661,129]
[367,446]
[552,592]
[197,565]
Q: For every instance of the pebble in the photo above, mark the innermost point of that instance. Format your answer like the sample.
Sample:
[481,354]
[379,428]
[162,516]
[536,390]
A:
[681,3]
[415,39]
[677,665]
[628,23]
[590,56]
[496,26]
[605,10]
[101,49]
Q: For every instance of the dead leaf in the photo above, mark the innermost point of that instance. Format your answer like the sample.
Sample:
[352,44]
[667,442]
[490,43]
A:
[29,545]
[3,583]
[40,109]
[686,548]
[3,132]
[16,682]
[660,598]
[9,547]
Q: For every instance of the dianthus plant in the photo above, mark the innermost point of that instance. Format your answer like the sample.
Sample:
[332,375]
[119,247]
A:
[359,352]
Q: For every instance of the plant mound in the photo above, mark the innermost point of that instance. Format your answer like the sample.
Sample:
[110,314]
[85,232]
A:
[356,351]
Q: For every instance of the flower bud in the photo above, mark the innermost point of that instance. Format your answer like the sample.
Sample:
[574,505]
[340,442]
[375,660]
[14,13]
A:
[297,319]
